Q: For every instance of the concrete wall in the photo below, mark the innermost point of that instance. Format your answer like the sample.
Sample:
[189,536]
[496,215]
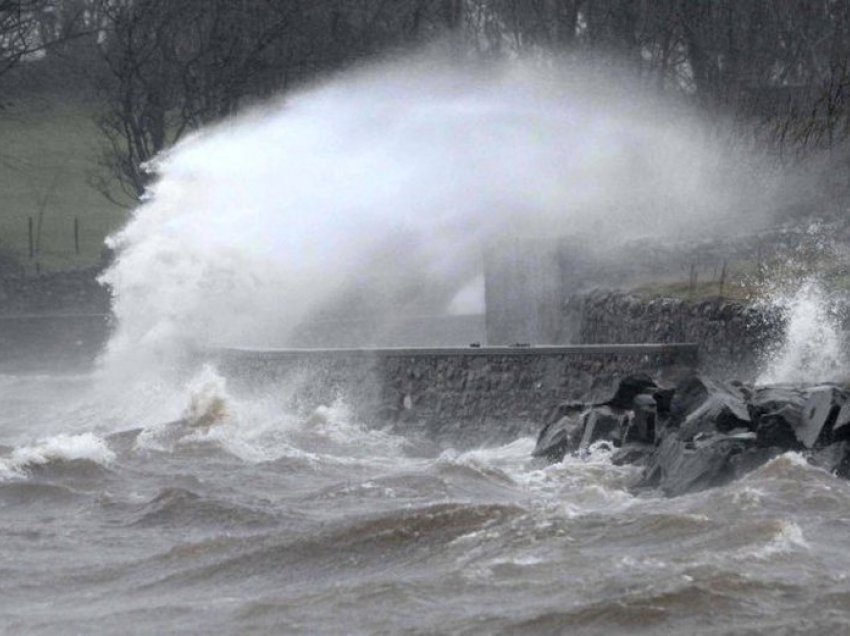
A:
[473,395]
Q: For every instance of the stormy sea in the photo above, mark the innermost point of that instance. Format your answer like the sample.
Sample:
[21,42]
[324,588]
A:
[143,495]
[250,519]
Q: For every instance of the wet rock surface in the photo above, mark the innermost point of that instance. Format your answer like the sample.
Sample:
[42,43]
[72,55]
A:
[704,433]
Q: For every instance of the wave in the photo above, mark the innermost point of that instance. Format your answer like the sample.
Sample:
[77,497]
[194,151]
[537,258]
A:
[393,540]
[76,453]
[21,493]
[685,604]
[177,507]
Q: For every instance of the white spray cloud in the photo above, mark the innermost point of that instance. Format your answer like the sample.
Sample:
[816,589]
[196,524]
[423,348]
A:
[382,188]
[812,349]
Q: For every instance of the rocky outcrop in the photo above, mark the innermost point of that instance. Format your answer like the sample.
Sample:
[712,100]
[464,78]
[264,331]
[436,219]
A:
[704,433]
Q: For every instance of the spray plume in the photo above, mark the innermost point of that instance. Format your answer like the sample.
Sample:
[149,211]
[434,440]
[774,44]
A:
[378,191]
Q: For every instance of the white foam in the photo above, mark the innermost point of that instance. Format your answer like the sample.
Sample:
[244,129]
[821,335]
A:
[787,538]
[87,446]
[812,349]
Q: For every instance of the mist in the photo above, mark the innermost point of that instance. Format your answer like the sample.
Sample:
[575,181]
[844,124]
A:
[374,194]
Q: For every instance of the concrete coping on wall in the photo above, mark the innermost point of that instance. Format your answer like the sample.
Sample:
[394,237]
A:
[683,349]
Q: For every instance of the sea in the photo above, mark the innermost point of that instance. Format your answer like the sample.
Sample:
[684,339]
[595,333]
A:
[201,508]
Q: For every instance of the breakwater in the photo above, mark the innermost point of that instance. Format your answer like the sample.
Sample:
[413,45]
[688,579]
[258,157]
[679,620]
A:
[472,394]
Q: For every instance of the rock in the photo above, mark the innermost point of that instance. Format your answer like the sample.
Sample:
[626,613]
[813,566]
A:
[751,458]
[635,453]
[558,438]
[680,467]
[629,388]
[663,399]
[768,399]
[841,430]
[727,402]
[818,415]
[833,458]
[603,423]
[777,428]
[703,406]
[705,433]
[565,409]
[776,412]
[641,425]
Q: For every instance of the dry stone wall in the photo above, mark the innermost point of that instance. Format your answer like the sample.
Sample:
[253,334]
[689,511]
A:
[732,337]
[466,396]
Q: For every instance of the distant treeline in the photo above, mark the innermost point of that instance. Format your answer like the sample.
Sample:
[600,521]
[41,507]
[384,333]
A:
[159,68]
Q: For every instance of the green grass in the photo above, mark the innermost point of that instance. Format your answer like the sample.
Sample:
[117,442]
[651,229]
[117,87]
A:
[747,281]
[49,146]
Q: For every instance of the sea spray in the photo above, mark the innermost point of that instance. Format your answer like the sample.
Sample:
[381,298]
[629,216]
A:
[812,349]
[374,195]
[62,447]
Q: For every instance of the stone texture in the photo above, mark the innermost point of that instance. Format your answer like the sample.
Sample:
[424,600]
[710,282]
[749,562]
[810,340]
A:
[713,432]
[460,397]
[732,336]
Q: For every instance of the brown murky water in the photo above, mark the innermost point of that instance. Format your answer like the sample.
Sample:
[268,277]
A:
[266,522]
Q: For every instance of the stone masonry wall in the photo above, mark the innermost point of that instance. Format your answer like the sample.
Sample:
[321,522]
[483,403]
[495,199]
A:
[732,337]
[472,396]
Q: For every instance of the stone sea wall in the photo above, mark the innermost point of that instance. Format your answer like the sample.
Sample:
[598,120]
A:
[732,337]
[465,395]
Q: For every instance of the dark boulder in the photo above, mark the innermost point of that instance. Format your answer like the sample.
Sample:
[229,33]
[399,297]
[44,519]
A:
[679,467]
[629,388]
[796,417]
[572,426]
[823,404]
[702,406]
[841,428]
[777,429]
[777,412]
[834,458]
[571,408]
[559,438]
[604,423]
[663,399]
[769,399]
[705,433]
[641,424]
[633,453]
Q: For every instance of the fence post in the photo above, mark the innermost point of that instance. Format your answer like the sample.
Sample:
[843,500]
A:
[77,235]
[29,229]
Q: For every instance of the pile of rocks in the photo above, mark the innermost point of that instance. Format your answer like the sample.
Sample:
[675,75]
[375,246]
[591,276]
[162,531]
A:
[703,433]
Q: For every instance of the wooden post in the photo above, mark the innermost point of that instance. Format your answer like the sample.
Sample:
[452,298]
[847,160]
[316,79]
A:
[77,235]
[32,244]
[692,281]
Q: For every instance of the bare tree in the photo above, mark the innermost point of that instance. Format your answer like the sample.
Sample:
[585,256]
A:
[174,65]
[18,31]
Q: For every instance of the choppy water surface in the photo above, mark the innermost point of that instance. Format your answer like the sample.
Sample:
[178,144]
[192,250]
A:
[256,519]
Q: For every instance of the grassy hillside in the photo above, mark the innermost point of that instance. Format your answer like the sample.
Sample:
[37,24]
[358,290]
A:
[48,148]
